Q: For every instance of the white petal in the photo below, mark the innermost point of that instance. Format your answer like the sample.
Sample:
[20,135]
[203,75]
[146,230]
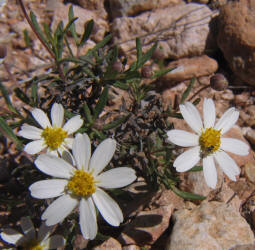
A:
[182,138]
[88,219]
[35,147]
[30,132]
[54,166]
[82,151]
[53,242]
[27,227]
[48,188]
[54,152]
[44,232]
[107,207]
[227,164]
[102,156]
[67,156]
[59,209]
[68,142]
[209,113]
[187,160]
[210,172]
[227,121]
[116,178]
[234,146]
[41,118]
[57,115]
[73,124]
[12,237]
[192,116]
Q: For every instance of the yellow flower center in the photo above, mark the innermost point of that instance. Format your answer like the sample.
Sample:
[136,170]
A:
[54,137]
[82,183]
[33,245]
[209,141]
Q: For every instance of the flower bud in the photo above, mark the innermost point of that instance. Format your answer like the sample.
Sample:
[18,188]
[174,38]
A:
[117,66]
[3,53]
[147,72]
[218,82]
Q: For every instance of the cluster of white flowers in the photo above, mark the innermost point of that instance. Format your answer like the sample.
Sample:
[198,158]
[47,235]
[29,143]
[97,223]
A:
[78,180]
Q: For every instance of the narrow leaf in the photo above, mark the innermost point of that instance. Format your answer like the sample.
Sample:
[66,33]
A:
[7,99]
[7,131]
[159,73]
[187,195]
[100,44]
[34,93]
[187,91]
[121,85]
[22,96]
[115,123]
[196,169]
[101,103]
[87,31]
[147,56]
[72,27]
[37,28]
[87,112]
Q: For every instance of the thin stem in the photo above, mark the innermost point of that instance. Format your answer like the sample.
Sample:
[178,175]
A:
[61,73]
[34,30]
[201,89]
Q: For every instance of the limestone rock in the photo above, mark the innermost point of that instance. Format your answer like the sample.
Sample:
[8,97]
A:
[121,8]
[110,243]
[183,32]
[147,227]
[210,226]
[95,5]
[250,135]
[249,170]
[236,38]
[191,67]
[84,15]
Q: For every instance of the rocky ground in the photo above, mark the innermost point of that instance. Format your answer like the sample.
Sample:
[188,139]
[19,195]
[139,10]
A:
[203,37]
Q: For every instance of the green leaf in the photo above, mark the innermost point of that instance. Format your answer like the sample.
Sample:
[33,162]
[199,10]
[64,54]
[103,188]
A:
[100,44]
[196,169]
[27,38]
[139,52]
[7,99]
[187,195]
[187,91]
[87,112]
[197,101]
[101,103]
[37,28]
[87,31]
[22,96]
[121,85]
[68,114]
[69,24]
[59,41]
[147,56]
[48,32]
[72,27]
[34,93]
[115,123]
[7,131]
[159,73]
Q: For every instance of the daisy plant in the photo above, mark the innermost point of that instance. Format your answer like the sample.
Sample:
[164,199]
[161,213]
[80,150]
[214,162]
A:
[82,185]
[55,137]
[30,240]
[208,143]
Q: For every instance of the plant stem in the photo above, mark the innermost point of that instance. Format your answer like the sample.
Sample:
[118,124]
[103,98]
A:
[61,73]
[200,90]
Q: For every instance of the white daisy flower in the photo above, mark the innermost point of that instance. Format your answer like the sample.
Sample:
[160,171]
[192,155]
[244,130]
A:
[82,185]
[55,137]
[30,239]
[208,144]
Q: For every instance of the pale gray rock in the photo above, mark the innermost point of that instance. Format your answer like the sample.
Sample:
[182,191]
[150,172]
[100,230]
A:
[121,8]
[182,30]
[210,226]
